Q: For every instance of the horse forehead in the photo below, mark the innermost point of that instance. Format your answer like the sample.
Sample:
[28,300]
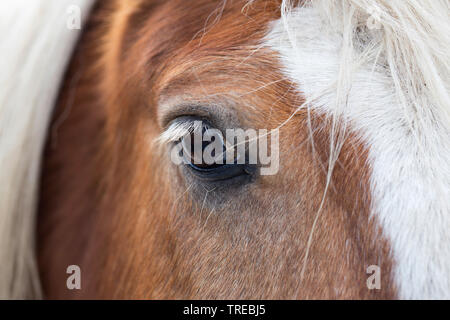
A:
[408,205]
[205,51]
[193,26]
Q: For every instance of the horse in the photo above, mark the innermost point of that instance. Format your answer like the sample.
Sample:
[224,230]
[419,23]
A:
[354,92]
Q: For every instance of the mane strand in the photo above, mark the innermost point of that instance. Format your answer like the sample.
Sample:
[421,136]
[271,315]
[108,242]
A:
[36,47]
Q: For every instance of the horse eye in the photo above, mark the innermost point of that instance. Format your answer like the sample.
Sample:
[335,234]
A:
[205,153]
[195,155]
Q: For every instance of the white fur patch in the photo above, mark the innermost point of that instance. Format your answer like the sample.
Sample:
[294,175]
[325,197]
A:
[410,173]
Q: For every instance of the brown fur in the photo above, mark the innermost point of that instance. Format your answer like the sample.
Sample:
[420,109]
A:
[114,204]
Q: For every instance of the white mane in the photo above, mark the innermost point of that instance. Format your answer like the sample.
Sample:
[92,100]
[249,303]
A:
[35,47]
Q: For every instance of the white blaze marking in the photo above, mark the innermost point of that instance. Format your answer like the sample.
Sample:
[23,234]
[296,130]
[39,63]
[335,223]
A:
[410,185]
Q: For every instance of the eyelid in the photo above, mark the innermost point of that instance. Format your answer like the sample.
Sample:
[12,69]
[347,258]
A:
[168,112]
[218,110]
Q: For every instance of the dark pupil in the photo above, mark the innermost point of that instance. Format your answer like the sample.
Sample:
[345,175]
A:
[203,165]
